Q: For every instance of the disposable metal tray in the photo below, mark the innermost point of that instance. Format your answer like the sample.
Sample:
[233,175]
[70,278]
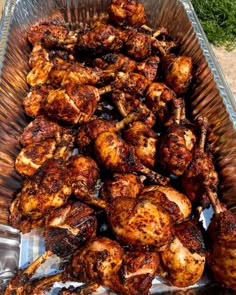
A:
[210,96]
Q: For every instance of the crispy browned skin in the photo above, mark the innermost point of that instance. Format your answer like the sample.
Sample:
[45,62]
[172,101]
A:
[119,62]
[127,104]
[99,260]
[39,74]
[59,70]
[139,46]
[79,74]
[34,100]
[67,228]
[221,255]
[140,222]
[159,98]
[48,189]
[127,13]
[144,140]
[176,145]
[201,170]
[88,132]
[149,67]
[132,83]
[121,185]
[100,39]
[138,271]
[40,129]
[184,258]
[83,173]
[17,220]
[178,72]
[33,156]
[173,201]
[113,153]
[75,104]
[38,31]
[43,140]
[38,55]
[115,62]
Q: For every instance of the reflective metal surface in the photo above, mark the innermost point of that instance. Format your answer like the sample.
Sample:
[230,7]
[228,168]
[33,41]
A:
[210,95]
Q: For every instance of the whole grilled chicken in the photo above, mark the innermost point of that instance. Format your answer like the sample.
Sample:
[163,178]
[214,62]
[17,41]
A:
[184,258]
[66,229]
[127,13]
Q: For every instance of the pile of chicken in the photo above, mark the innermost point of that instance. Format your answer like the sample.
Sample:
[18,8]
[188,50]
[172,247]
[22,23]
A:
[113,170]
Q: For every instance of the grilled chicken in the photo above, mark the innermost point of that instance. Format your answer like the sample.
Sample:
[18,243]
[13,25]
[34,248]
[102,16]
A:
[127,13]
[174,202]
[140,222]
[176,145]
[184,258]
[113,153]
[48,189]
[121,185]
[66,229]
[98,261]
[144,140]
[201,172]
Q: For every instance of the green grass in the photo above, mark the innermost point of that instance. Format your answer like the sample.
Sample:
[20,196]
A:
[218,19]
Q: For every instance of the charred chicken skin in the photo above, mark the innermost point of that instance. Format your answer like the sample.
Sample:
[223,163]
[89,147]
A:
[174,202]
[127,13]
[113,153]
[144,140]
[176,145]
[48,189]
[140,222]
[99,260]
[33,102]
[66,229]
[221,255]
[43,140]
[121,185]
[184,258]
[200,171]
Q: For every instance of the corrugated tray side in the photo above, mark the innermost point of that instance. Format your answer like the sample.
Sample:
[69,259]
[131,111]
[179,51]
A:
[210,97]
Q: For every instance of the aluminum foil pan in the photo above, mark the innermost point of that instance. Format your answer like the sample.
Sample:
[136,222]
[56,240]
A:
[210,97]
